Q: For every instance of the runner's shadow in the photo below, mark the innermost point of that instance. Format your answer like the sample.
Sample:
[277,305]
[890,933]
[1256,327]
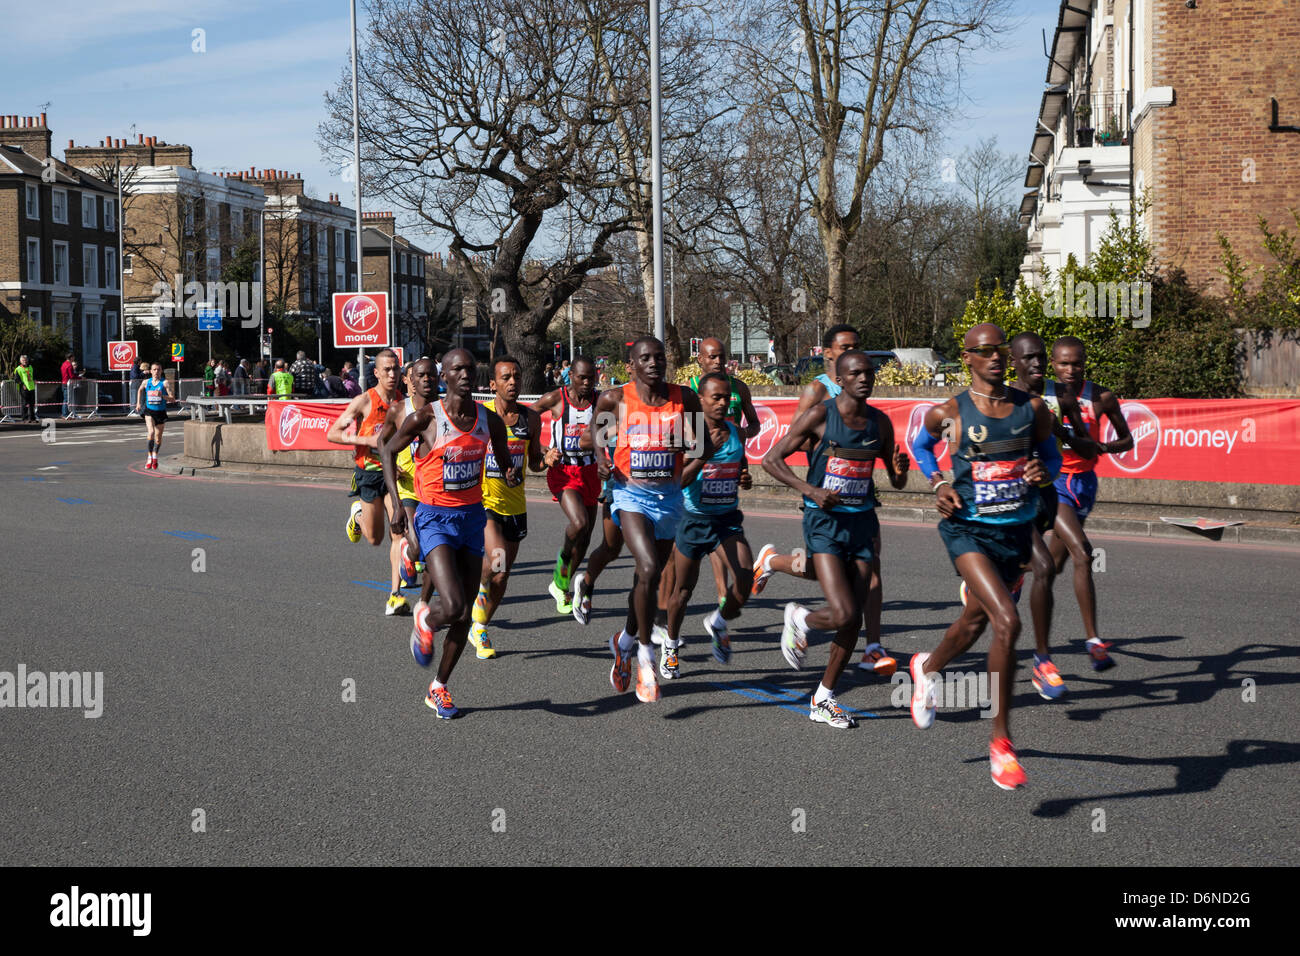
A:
[1193,773]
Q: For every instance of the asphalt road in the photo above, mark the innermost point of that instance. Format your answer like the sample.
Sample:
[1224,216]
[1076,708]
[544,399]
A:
[223,691]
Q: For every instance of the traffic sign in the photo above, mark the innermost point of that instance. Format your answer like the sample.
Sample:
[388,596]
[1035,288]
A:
[360,320]
[178,352]
[266,344]
[210,320]
[122,356]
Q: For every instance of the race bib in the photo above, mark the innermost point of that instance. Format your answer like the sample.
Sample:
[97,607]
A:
[1000,486]
[720,482]
[516,459]
[462,472]
[652,465]
[851,478]
[572,435]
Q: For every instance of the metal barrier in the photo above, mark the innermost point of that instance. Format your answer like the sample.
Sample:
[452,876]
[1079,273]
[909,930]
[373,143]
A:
[11,402]
[83,398]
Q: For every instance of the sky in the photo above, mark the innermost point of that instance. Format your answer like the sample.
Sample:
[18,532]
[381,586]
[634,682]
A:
[249,89]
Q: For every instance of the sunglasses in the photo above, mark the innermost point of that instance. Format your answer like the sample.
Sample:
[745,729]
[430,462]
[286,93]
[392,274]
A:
[988,351]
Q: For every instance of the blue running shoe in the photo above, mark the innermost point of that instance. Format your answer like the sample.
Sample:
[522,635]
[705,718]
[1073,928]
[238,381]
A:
[422,636]
[439,700]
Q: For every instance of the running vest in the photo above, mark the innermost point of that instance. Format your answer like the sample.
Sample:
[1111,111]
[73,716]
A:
[496,494]
[368,458]
[832,388]
[988,465]
[450,473]
[567,428]
[650,442]
[155,395]
[1071,463]
[843,461]
[716,489]
[405,463]
[734,410]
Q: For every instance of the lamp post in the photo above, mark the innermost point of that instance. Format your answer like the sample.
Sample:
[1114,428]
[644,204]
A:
[656,170]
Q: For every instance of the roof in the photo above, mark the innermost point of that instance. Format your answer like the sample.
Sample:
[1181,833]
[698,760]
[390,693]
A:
[378,241]
[15,162]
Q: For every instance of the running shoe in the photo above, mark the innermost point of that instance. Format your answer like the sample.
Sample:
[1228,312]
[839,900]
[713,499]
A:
[668,663]
[559,577]
[1047,679]
[1101,661]
[794,639]
[562,604]
[647,687]
[1006,769]
[581,600]
[422,636]
[830,712]
[721,642]
[923,702]
[354,526]
[761,576]
[620,675]
[658,633]
[875,659]
[396,605]
[483,648]
[439,700]
[409,574]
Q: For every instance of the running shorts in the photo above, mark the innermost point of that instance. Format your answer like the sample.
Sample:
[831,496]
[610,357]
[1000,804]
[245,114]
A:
[460,528]
[367,485]
[700,534]
[159,415]
[580,478]
[849,534]
[1008,546]
[514,528]
[663,509]
[1080,491]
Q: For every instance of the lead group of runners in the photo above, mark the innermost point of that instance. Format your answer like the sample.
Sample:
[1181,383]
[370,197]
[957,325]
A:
[666,463]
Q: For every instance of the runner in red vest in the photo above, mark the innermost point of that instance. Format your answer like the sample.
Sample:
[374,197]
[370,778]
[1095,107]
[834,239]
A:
[456,435]
[361,425]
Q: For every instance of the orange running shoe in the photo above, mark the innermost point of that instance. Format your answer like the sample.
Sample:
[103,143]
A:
[620,675]
[760,575]
[647,685]
[1007,772]
[875,659]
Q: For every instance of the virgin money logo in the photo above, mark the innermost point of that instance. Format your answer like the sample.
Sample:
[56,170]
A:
[123,352]
[769,431]
[360,315]
[290,425]
[1145,427]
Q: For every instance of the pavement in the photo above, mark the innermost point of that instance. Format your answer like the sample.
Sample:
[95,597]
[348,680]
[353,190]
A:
[257,707]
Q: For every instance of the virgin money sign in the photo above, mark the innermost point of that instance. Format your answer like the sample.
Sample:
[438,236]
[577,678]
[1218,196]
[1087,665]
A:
[122,356]
[360,320]
[301,426]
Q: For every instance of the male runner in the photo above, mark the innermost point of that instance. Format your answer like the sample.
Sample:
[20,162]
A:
[367,413]
[455,434]
[711,524]
[837,340]
[654,430]
[610,547]
[507,508]
[154,393]
[841,531]
[1002,445]
[421,386]
[573,480]
[1077,484]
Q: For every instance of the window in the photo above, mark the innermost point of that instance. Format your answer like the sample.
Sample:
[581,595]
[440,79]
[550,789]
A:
[189,217]
[237,224]
[323,283]
[35,314]
[189,268]
[401,297]
[339,250]
[214,265]
[110,215]
[338,276]
[59,211]
[352,282]
[90,267]
[322,241]
[110,268]
[403,270]
[33,260]
[126,264]
[110,321]
[60,263]
[33,202]
[88,218]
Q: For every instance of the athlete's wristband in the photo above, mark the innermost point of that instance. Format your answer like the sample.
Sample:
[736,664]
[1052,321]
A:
[940,485]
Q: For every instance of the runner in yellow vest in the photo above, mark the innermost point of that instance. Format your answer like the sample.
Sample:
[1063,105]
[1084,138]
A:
[26,377]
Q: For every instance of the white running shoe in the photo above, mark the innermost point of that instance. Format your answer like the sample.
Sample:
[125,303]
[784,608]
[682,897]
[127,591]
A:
[794,639]
[830,712]
[923,692]
[657,634]
[581,598]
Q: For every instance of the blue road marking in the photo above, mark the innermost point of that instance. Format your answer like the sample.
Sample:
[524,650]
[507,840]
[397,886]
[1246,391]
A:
[192,535]
[383,586]
[34,478]
[74,501]
[783,697]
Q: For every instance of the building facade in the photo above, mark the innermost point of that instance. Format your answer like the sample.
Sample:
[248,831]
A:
[1170,103]
[395,265]
[58,242]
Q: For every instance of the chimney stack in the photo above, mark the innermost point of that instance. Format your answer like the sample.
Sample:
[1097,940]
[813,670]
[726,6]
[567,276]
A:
[31,137]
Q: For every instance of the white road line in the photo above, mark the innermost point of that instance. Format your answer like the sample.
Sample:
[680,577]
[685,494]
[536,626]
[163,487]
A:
[49,468]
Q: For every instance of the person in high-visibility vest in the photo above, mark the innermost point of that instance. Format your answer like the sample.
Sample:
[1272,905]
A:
[281,385]
[26,377]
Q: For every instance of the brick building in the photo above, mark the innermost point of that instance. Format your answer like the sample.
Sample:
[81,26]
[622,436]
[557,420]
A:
[395,265]
[1174,102]
[58,242]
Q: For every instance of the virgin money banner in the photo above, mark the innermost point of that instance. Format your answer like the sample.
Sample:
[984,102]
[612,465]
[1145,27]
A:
[301,426]
[1238,440]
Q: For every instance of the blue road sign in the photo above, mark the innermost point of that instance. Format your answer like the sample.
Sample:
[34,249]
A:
[210,320]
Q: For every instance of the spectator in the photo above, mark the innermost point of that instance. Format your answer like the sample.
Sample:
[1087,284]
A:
[564,372]
[350,385]
[304,375]
[138,372]
[25,375]
[548,374]
[239,380]
[68,375]
[333,385]
[210,379]
[260,375]
[222,379]
[281,381]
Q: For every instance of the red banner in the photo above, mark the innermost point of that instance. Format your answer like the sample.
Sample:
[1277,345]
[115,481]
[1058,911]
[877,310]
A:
[301,426]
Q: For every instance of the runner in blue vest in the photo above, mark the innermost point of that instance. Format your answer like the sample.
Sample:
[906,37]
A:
[841,531]
[1002,446]
[153,394]
[711,524]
